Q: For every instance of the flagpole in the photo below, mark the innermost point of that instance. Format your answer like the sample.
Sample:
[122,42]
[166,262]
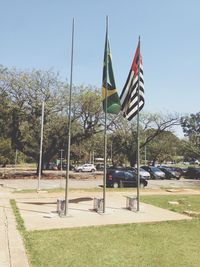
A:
[105,124]
[41,143]
[69,127]
[138,133]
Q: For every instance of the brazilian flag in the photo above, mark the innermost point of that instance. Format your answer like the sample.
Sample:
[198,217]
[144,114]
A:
[110,97]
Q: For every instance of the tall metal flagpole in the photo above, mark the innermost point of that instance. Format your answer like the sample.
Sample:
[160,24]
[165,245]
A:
[69,127]
[16,152]
[41,142]
[61,166]
[138,132]
[105,126]
[145,151]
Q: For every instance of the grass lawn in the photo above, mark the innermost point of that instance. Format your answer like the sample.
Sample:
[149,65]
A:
[58,190]
[166,244]
[185,202]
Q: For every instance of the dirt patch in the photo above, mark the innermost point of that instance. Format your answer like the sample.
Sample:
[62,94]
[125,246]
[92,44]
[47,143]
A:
[49,176]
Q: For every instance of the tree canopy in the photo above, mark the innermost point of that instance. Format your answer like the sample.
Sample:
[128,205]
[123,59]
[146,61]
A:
[191,128]
[21,97]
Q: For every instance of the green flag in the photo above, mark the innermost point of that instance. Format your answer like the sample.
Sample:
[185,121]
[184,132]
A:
[109,92]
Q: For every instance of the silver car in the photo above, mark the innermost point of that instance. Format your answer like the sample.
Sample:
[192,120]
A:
[155,172]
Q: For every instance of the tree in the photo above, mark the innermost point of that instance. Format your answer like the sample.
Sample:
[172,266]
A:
[24,92]
[5,108]
[6,151]
[125,135]
[27,90]
[87,112]
[191,128]
[7,155]
[163,147]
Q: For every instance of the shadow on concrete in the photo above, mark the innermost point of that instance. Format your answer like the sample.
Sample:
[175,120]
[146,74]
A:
[75,200]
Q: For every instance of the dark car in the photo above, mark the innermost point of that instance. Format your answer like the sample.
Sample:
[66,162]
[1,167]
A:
[64,166]
[50,166]
[170,173]
[184,170]
[193,173]
[123,178]
[155,172]
[179,170]
[100,166]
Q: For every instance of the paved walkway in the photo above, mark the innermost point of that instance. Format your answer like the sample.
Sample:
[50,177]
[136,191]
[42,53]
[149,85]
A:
[12,251]
[39,212]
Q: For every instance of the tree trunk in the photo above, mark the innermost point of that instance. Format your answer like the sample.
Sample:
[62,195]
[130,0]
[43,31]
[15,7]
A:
[154,162]
[38,164]
[133,159]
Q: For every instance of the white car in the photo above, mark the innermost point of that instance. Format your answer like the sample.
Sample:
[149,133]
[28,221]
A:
[145,174]
[85,168]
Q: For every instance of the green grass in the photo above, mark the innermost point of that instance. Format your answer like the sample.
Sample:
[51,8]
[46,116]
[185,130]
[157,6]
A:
[166,244]
[20,221]
[58,190]
[179,187]
[186,202]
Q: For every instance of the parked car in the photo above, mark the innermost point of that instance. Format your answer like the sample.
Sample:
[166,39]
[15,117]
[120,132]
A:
[85,168]
[194,162]
[155,172]
[121,178]
[100,166]
[179,170]
[64,166]
[184,170]
[193,173]
[170,173]
[143,172]
[50,166]
[118,167]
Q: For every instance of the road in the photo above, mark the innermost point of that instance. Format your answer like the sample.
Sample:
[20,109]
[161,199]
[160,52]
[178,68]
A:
[90,183]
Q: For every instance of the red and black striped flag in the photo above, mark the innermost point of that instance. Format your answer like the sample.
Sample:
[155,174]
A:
[132,96]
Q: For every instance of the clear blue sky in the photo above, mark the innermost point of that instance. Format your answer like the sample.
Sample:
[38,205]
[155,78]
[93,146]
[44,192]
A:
[37,34]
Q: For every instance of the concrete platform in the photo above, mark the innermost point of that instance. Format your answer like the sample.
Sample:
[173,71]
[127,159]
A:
[39,212]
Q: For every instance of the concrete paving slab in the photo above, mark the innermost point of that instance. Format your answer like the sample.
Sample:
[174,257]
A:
[16,246]
[4,247]
[12,251]
[40,213]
